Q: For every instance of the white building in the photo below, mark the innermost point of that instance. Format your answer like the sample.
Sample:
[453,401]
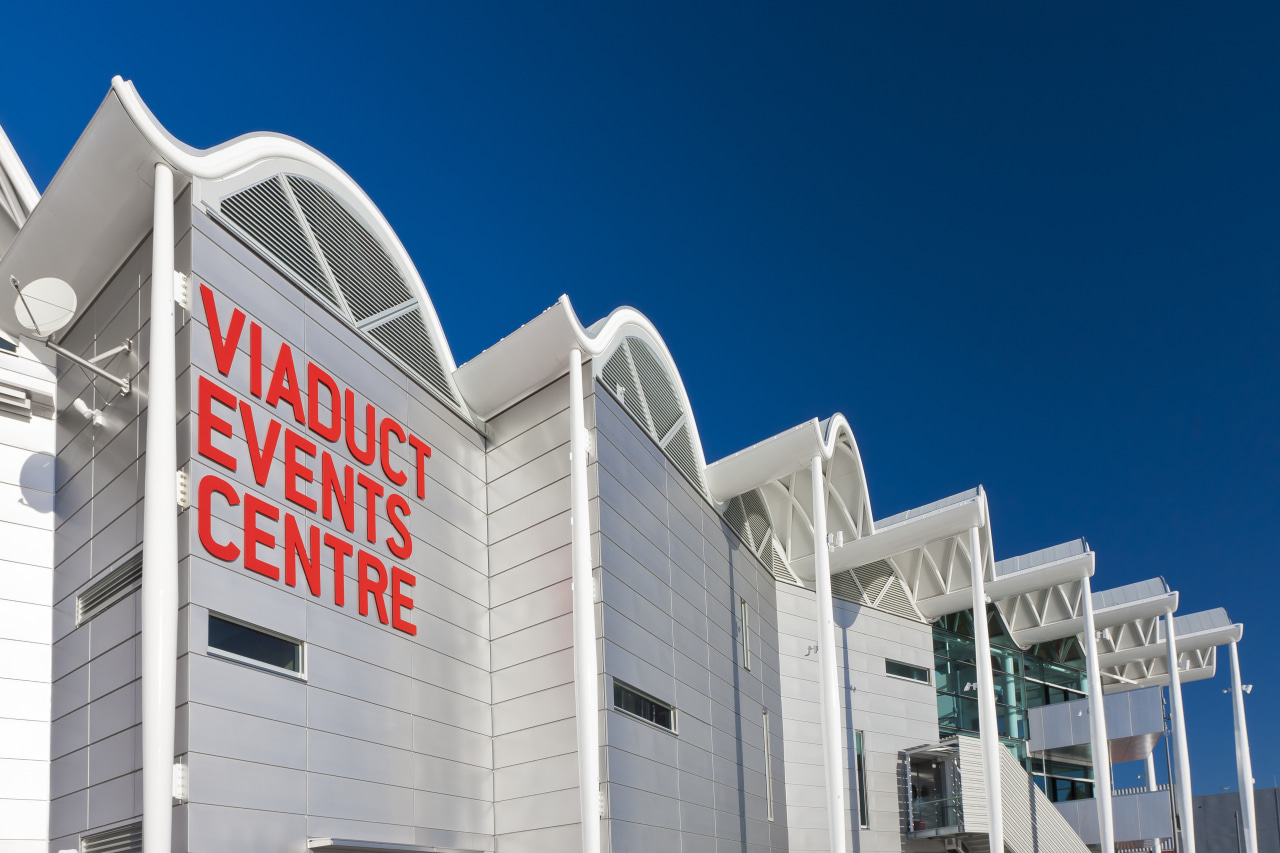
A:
[354,597]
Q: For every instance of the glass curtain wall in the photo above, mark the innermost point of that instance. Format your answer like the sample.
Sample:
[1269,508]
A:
[1042,675]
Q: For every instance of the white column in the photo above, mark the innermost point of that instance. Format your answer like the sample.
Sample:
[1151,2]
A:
[1151,786]
[1186,811]
[1098,725]
[832,746]
[1244,763]
[160,537]
[987,726]
[585,677]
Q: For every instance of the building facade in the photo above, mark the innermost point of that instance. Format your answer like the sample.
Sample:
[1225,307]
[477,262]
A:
[279,575]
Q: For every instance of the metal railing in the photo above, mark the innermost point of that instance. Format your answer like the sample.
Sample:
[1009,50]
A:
[932,813]
[1119,792]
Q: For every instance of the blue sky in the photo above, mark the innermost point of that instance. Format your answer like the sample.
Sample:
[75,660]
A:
[1028,247]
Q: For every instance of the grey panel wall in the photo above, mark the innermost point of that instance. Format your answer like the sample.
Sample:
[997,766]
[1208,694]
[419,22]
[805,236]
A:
[534,722]
[26,601]
[1130,714]
[673,578]
[1218,822]
[95,780]
[894,713]
[1136,817]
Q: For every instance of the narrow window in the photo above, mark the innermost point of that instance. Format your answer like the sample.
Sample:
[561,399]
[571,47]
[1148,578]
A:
[862,780]
[768,767]
[746,636]
[898,669]
[241,643]
[647,708]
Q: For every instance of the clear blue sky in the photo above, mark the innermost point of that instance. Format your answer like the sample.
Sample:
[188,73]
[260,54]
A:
[1028,247]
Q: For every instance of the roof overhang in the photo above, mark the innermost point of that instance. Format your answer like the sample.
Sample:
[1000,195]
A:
[1110,608]
[954,515]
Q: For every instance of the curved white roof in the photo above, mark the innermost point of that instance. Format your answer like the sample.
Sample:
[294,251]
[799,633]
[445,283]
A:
[18,194]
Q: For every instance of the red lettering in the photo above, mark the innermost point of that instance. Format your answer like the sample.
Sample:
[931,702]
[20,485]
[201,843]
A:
[424,453]
[376,586]
[260,456]
[224,346]
[331,488]
[399,600]
[390,427]
[208,485]
[404,547]
[341,550]
[293,469]
[365,456]
[315,378]
[255,536]
[295,550]
[209,422]
[372,491]
[255,360]
[284,385]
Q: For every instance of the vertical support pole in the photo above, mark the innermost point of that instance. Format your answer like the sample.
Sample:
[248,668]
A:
[1244,762]
[1098,724]
[1186,813]
[987,725]
[585,677]
[832,746]
[1151,786]
[160,537]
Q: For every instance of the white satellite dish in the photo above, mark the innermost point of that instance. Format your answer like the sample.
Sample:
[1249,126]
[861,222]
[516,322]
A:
[45,305]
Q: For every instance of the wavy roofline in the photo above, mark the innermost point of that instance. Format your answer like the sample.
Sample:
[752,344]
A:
[243,152]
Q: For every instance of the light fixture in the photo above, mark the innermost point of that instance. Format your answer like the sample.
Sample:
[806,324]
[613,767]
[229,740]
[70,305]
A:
[94,416]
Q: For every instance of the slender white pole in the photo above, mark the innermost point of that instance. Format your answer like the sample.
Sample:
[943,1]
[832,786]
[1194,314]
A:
[832,747]
[1244,763]
[1098,724]
[160,537]
[1186,811]
[585,677]
[1151,786]
[987,725]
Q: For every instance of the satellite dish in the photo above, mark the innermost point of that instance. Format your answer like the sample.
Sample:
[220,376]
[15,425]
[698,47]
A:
[45,305]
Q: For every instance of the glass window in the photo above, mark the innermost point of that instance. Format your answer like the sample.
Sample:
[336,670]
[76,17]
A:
[244,644]
[906,670]
[768,767]
[644,707]
[862,779]
[742,626]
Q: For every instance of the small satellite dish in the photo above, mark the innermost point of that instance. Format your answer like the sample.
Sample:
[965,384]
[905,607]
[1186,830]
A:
[45,305]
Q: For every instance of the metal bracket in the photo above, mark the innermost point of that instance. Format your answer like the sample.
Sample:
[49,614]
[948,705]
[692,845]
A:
[124,383]
[182,289]
[180,781]
[184,489]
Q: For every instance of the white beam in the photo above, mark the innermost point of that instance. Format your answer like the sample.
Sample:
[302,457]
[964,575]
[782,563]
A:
[987,726]
[832,747]
[1244,762]
[585,679]
[160,536]
[1101,747]
[1186,812]
[916,533]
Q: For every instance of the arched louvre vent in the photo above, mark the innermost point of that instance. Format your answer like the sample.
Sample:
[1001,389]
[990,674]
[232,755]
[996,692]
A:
[777,564]
[748,515]
[264,212]
[306,230]
[368,278]
[636,376]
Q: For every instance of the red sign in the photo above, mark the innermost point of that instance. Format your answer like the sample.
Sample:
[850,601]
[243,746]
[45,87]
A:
[306,546]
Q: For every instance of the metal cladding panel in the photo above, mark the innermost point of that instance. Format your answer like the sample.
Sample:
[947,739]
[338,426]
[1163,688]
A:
[892,713]
[673,582]
[535,770]
[96,522]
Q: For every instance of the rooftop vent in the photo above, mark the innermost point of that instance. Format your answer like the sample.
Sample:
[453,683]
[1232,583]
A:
[305,230]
